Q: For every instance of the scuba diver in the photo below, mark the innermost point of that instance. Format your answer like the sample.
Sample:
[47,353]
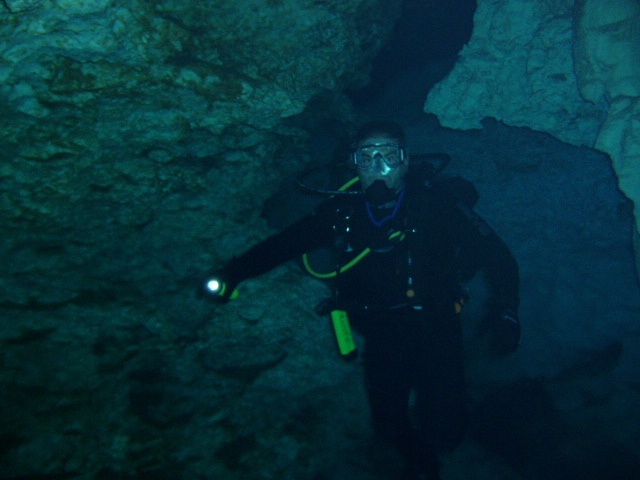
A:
[404,245]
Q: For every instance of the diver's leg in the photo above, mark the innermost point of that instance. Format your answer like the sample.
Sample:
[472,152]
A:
[389,371]
[441,409]
[388,385]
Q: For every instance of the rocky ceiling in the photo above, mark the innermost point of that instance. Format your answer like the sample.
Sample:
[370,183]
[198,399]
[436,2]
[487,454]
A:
[569,68]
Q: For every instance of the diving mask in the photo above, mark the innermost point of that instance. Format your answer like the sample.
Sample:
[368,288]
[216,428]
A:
[391,154]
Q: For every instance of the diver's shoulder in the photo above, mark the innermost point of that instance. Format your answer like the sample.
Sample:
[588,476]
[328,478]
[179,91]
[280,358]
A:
[447,189]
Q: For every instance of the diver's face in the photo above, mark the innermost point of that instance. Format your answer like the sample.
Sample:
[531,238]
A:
[378,157]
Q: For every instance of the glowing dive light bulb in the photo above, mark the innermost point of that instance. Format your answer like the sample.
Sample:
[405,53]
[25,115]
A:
[214,285]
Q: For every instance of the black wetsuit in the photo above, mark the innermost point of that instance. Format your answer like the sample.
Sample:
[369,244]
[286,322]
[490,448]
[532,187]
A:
[402,297]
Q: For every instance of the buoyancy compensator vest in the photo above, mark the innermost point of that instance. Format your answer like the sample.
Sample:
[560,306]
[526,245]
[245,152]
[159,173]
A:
[422,176]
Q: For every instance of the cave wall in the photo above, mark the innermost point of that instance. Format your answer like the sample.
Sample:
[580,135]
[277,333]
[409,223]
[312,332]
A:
[120,118]
[607,63]
[138,143]
[569,68]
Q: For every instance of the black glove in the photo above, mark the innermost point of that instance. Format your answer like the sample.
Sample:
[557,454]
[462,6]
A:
[220,288]
[504,333]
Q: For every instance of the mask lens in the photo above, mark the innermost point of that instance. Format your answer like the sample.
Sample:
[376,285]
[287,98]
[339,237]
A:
[391,153]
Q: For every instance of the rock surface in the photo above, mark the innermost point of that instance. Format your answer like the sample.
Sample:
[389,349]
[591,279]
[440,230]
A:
[569,68]
[608,71]
[138,143]
[127,118]
[518,68]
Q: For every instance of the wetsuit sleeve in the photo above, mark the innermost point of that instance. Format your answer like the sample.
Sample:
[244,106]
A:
[307,234]
[482,249]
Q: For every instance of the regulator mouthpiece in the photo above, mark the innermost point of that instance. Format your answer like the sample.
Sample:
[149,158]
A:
[378,193]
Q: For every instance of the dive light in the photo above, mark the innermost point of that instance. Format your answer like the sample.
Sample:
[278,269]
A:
[215,286]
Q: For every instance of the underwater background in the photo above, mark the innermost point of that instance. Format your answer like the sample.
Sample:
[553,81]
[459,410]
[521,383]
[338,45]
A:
[144,144]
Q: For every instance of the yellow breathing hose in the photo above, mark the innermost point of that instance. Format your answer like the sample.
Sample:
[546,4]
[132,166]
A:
[347,266]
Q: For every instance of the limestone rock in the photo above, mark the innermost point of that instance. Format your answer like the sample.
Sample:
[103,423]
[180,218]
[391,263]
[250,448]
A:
[608,66]
[138,143]
[607,52]
[518,68]
[116,118]
[568,68]
[21,5]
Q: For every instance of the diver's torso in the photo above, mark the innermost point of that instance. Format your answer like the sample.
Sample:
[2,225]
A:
[412,260]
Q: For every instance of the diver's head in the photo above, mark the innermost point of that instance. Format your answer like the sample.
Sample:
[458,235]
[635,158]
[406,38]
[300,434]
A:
[381,160]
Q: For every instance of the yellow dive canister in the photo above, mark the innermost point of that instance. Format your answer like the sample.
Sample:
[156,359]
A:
[344,337]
